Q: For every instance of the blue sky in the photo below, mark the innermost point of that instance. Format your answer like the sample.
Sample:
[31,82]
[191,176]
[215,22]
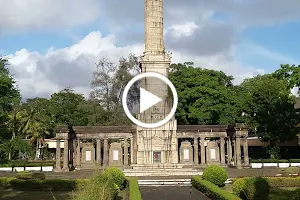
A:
[237,38]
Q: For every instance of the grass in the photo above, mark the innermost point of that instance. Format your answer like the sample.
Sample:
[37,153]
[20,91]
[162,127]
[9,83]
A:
[9,194]
[277,193]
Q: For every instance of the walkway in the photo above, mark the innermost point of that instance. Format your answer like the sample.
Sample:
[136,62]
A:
[171,193]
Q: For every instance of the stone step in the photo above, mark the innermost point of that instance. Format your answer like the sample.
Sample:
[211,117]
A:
[165,182]
[161,170]
[163,173]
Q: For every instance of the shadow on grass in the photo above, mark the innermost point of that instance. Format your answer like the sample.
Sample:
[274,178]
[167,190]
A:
[34,195]
[284,194]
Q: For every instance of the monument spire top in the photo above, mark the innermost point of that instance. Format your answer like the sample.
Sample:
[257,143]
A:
[154,35]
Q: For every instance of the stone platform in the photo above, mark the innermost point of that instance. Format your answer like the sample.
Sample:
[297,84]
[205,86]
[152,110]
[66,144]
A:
[165,182]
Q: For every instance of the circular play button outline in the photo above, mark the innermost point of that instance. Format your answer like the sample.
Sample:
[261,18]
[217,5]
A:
[164,79]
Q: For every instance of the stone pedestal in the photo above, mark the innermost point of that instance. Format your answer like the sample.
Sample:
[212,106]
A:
[115,154]
[88,156]
[186,153]
[212,153]
[159,145]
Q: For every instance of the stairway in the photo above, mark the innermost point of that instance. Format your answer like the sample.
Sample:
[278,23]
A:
[165,182]
[162,172]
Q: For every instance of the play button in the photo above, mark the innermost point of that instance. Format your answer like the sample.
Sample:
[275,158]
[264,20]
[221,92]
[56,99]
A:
[154,102]
[147,100]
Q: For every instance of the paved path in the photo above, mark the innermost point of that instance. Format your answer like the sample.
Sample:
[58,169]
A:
[171,193]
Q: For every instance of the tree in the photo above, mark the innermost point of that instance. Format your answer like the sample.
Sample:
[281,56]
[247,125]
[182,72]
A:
[205,96]
[290,73]
[64,107]
[270,107]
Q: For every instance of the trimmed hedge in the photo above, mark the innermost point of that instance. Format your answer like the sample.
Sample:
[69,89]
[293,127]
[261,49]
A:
[134,190]
[49,184]
[20,163]
[283,181]
[251,188]
[211,190]
[31,175]
[275,161]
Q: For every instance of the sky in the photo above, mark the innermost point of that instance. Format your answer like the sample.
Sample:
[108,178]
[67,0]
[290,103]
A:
[53,44]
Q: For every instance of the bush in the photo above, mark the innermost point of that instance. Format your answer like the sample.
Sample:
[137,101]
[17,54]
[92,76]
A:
[283,181]
[251,188]
[116,174]
[134,190]
[24,175]
[29,175]
[215,174]
[290,170]
[38,175]
[270,161]
[211,190]
[295,160]
[101,186]
[5,182]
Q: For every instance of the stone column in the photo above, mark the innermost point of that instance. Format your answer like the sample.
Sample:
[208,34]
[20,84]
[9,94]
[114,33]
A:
[202,150]
[246,156]
[222,149]
[234,153]
[238,152]
[66,155]
[58,152]
[131,150]
[98,151]
[196,155]
[71,152]
[229,150]
[78,157]
[135,149]
[105,153]
[126,152]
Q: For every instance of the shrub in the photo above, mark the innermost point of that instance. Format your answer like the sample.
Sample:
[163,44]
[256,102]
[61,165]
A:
[134,190]
[5,182]
[116,174]
[211,190]
[295,160]
[215,174]
[29,175]
[290,170]
[283,181]
[24,175]
[100,186]
[251,188]
[38,175]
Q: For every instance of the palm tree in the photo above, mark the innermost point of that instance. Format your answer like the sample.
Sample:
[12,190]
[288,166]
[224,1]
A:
[33,126]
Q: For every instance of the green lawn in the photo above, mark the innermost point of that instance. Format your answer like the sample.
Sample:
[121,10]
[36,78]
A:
[9,194]
[277,193]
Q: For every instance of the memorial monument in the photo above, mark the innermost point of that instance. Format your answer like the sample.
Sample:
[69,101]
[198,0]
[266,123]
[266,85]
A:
[170,146]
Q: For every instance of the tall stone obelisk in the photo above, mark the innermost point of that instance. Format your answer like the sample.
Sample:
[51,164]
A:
[158,145]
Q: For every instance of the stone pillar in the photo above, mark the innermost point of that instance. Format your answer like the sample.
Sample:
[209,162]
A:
[135,150]
[66,155]
[71,152]
[246,156]
[126,151]
[98,151]
[229,150]
[238,152]
[131,150]
[105,153]
[222,149]
[234,153]
[58,152]
[196,154]
[202,150]
[78,155]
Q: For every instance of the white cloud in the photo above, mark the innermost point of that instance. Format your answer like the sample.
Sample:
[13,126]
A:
[41,75]
[29,15]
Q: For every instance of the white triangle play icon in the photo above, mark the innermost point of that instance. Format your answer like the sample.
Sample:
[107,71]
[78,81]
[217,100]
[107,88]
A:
[147,100]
